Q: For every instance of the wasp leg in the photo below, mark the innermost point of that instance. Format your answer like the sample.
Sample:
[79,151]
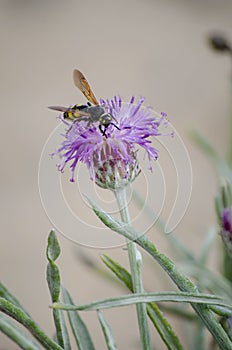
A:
[103,131]
[105,127]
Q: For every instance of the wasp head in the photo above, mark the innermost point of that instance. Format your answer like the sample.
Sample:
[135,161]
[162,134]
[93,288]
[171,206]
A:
[105,119]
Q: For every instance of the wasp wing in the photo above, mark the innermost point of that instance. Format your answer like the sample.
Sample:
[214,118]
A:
[83,85]
[59,108]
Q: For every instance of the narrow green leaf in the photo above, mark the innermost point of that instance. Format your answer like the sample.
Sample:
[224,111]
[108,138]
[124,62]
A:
[80,331]
[53,247]
[136,298]
[227,265]
[118,270]
[94,266]
[163,327]
[224,196]
[228,326]
[221,311]
[228,193]
[109,338]
[17,335]
[16,313]
[218,208]
[61,330]
[159,321]
[53,279]
[5,293]
[53,275]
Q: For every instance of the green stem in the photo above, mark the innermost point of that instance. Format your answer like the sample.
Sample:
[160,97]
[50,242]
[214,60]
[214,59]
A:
[135,259]
[16,334]
[227,265]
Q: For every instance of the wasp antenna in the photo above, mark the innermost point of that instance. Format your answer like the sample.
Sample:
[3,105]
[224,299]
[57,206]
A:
[115,126]
[114,118]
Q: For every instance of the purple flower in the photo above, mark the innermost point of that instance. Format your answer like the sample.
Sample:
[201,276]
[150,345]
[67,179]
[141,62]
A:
[226,232]
[112,158]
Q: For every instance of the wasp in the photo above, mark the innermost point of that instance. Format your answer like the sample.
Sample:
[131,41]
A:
[92,111]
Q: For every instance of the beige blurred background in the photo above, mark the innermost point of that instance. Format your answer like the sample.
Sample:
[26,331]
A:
[154,48]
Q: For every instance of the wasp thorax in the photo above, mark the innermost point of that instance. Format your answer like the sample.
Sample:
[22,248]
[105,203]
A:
[105,119]
[112,170]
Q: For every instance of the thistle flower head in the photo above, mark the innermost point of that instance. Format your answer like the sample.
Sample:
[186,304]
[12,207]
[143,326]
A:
[112,157]
[226,232]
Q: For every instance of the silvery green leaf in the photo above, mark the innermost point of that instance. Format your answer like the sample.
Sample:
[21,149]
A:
[61,329]
[124,300]
[53,247]
[5,293]
[16,313]
[53,279]
[79,329]
[109,338]
[16,334]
